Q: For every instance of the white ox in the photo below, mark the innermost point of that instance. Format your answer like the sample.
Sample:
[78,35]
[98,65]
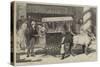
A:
[85,38]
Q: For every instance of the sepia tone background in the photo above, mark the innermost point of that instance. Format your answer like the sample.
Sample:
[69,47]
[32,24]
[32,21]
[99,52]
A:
[5,34]
[39,11]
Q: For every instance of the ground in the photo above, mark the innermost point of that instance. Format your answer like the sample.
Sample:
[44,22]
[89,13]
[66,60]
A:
[44,59]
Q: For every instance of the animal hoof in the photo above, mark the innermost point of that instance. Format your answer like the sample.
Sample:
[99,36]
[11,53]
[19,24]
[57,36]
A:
[62,58]
[27,55]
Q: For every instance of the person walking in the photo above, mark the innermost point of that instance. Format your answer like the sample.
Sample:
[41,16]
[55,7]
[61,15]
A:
[62,50]
[32,39]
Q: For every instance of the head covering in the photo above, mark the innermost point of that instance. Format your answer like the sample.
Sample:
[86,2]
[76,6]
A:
[33,23]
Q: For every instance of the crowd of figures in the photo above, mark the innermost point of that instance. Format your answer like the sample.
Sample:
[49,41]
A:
[30,33]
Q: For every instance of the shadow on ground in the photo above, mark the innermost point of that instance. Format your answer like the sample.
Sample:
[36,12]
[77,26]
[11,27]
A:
[52,52]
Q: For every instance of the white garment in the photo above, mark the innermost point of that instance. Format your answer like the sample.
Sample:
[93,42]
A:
[62,49]
[42,39]
[21,44]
